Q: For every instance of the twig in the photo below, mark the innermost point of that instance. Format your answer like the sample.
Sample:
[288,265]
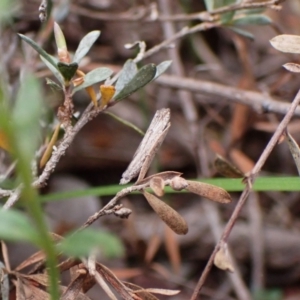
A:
[5,193]
[185,97]
[274,140]
[257,242]
[214,220]
[258,101]
[141,13]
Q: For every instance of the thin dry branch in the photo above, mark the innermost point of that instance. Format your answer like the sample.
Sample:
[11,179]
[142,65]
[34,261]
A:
[244,196]
[144,14]
[258,101]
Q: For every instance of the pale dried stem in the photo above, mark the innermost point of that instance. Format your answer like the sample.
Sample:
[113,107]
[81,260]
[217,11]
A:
[257,101]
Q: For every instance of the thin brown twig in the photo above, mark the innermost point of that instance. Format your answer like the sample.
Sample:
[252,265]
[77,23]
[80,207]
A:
[244,196]
[141,13]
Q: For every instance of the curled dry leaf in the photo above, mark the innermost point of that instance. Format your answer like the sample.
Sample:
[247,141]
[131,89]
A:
[117,284]
[292,67]
[222,259]
[157,184]
[107,92]
[295,150]
[178,183]
[168,175]
[171,217]
[227,169]
[208,191]
[140,292]
[74,288]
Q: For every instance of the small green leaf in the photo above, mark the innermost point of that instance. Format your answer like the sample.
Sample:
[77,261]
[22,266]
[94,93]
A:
[129,70]
[59,37]
[85,45]
[227,17]
[38,49]
[242,32]
[53,69]
[67,70]
[209,4]
[54,86]
[144,75]
[26,114]
[15,226]
[95,76]
[84,242]
[161,68]
[252,20]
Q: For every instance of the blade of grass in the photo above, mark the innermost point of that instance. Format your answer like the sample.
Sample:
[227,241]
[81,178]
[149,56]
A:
[262,184]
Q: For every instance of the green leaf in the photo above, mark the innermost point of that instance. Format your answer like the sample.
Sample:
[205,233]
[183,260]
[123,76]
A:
[7,8]
[38,49]
[25,118]
[143,76]
[268,294]
[15,226]
[242,32]
[54,70]
[95,76]
[252,20]
[85,45]
[59,38]
[129,70]
[84,242]
[67,70]
[209,4]
[261,184]
[161,68]
[227,17]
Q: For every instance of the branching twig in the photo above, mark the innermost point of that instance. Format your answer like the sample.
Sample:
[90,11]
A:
[274,140]
[140,13]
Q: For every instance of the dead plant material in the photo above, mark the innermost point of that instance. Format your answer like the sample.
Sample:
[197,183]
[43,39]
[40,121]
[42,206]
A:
[171,217]
[208,191]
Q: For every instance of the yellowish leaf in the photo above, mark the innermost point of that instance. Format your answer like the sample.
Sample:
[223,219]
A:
[3,141]
[107,92]
[48,151]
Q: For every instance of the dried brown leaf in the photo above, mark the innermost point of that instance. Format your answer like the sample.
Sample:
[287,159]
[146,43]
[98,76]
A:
[171,217]
[26,290]
[227,169]
[157,184]
[74,288]
[33,259]
[209,191]
[117,284]
[222,259]
[140,292]
[168,175]
[295,150]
